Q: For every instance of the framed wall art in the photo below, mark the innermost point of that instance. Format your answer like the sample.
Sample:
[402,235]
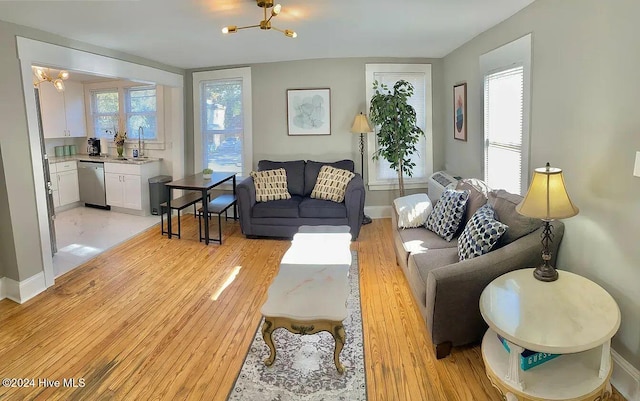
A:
[309,111]
[460,112]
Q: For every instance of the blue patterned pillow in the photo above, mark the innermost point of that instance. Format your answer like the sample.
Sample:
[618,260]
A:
[480,234]
[447,214]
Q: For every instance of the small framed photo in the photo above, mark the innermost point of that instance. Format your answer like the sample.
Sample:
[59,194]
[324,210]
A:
[460,112]
[309,111]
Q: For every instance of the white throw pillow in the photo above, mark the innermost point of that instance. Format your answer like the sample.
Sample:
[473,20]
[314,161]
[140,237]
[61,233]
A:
[412,210]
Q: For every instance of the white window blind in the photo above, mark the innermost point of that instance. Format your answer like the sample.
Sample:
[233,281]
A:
[380,174]
[503,129]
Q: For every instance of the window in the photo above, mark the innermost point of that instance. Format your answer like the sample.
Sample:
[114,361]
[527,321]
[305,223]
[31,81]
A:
[381,176]
[105,111]
[141,112]
[126,104]
[223,120]
[506,83]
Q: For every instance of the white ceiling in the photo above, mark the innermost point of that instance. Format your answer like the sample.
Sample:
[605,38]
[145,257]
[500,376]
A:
[186,33]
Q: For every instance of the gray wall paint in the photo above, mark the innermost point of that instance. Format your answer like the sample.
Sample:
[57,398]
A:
[22,255]
[585,83]
[345,77]
[7,253]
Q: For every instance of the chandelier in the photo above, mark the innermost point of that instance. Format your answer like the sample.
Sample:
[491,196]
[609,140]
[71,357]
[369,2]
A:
[44,76]
[266,22]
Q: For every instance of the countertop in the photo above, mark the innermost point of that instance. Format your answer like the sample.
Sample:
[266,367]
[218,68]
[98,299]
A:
[106,159]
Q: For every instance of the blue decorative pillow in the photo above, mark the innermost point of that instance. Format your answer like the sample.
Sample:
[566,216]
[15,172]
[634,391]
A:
[480,234]
[447,214]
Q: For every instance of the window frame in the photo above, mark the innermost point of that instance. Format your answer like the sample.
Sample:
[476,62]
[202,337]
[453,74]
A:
[374,182]
[93,106]
[511,55]
[244,74]
[128,113]
[122,87]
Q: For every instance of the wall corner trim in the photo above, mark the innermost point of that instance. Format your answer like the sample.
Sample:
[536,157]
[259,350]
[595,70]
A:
[625,377]
[22,291]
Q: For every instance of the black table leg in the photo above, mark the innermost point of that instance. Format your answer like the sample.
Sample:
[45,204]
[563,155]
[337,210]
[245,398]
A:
[205,210]
[169,213]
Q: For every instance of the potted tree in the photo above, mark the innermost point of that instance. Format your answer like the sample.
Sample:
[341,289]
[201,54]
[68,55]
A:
[398,133]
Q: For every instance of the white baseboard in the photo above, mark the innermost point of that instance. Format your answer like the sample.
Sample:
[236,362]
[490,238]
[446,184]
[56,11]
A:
[625,378]
[22,291]
[378,212]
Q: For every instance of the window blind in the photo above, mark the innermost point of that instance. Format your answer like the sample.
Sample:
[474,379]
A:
[503,129]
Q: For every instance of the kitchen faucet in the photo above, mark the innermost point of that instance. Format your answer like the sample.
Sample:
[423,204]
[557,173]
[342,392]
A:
[140,144]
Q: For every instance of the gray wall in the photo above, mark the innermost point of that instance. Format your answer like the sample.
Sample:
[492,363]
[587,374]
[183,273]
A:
[345,77]
[21,255]
[584,119]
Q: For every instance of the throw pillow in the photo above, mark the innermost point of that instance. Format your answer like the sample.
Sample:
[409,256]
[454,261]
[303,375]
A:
[447,214]
[478,194]
[480,234]
[270,185]
[331,184]
[412,210]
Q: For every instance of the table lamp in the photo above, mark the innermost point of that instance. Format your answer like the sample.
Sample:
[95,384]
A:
[361,126]
[547,199]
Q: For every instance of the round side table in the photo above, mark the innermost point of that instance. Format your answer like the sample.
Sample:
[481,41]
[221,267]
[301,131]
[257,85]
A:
[572,316]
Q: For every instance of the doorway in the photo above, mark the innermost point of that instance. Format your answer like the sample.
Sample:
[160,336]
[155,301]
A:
[33,52]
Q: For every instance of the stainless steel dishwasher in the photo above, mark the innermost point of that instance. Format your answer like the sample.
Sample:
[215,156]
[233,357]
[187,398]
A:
[91,182]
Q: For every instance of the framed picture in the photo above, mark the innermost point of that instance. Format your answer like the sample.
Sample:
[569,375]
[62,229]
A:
[309,111]
[460,112]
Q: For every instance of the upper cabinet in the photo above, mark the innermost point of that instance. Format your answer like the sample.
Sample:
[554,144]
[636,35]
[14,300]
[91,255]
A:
[63,113]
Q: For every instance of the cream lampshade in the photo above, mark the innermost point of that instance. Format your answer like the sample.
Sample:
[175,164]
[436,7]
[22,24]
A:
[547,199]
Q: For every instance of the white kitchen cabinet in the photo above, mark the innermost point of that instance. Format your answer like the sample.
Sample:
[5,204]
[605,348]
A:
[64,183]
[127,185]
[63,113]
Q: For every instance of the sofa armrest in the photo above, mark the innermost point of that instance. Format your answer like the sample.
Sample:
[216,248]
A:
[246,195]
[453,291]
[354,197]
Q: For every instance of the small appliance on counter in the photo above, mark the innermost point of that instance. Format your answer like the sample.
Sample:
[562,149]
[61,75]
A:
[94,147]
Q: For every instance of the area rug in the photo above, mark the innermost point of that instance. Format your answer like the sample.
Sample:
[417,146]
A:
[304,368]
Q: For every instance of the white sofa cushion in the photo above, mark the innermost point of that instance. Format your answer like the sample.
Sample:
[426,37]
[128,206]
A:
[412,210]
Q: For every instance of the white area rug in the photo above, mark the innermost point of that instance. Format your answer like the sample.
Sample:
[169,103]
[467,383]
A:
[304,368]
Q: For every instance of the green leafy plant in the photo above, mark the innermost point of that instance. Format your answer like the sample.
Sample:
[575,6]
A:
[207,171]
[398,133]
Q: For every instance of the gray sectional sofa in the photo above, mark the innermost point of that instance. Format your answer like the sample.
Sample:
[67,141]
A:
[448,290]
[281,218]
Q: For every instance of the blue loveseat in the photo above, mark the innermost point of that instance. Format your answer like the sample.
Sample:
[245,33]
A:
[281,218]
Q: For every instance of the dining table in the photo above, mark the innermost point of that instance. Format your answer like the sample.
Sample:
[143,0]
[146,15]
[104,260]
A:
[198,182]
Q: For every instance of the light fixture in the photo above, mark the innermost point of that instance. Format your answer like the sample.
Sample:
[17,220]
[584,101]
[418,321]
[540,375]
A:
[361,126]
[266,22]
[547,199]
[43,76]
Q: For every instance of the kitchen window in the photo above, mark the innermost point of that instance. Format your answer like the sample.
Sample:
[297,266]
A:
[126,104]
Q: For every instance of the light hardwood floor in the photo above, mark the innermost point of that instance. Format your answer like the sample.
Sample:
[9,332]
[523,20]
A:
[164,319]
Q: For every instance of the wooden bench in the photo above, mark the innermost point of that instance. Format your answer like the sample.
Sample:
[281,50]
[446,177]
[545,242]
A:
[178,204]
[220,204]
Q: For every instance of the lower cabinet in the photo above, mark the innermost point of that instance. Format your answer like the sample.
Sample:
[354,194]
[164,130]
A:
[64,183]
[127,187]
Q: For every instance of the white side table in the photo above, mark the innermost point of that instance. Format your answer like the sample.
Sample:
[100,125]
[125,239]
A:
[572,316]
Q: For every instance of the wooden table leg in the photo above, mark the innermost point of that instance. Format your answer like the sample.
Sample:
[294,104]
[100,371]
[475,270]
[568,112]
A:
[267,331]
[339,337]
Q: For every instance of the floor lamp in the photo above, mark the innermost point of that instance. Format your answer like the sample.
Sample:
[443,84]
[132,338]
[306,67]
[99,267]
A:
[361,126]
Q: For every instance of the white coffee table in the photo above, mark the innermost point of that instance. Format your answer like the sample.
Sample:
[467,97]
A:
[309,293]
[572,316]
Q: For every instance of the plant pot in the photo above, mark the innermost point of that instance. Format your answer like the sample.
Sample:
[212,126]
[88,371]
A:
[120,150]
[206,176]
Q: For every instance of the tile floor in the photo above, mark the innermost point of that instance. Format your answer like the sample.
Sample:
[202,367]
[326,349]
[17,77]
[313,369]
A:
[84,232]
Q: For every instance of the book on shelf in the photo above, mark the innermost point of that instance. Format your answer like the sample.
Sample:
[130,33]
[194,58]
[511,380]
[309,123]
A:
[528,358]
